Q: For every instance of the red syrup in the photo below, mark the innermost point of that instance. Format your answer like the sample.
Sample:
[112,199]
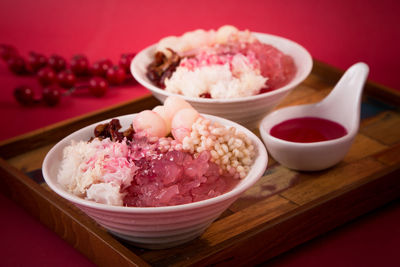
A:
[308,130]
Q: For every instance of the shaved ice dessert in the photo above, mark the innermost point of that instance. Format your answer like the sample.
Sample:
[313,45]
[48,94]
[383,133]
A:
[226,63]
[170,155]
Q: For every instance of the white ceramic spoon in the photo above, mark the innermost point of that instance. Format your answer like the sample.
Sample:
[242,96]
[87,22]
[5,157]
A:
[342,105]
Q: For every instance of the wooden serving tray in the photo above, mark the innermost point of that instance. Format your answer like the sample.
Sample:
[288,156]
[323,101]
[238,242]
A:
[284,209]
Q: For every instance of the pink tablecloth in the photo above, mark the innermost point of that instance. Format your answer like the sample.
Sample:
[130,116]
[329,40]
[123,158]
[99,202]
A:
[337,32]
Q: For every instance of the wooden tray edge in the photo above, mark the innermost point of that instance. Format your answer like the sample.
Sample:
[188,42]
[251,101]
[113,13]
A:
[53,133]
[252,248]
[376,90]
[308,221]
[47,208]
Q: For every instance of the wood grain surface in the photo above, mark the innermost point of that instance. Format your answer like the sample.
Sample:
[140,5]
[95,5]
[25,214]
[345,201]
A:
[284,209]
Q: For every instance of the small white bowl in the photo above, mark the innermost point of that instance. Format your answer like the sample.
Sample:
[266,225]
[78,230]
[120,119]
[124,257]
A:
[342,106]
[303,156]
[154,227]
[247,111]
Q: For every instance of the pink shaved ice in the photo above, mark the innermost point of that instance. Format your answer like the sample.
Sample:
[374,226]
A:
[227,63]
[135,173]
[176,178]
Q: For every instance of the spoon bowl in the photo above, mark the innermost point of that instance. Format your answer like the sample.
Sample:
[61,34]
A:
[342,106]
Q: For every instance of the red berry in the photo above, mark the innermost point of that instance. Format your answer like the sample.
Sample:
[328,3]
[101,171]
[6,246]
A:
[264,90]
[125,61]
[51,96]
[46,76]
[7,51]
[205,95]
[24,95]
[100,67]
[98,86]
[57,63]
[66,79]
[116,75]
[36,61]
[79,65]
[17,65]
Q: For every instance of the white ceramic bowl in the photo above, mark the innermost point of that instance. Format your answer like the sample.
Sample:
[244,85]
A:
[154,227]
[247,111]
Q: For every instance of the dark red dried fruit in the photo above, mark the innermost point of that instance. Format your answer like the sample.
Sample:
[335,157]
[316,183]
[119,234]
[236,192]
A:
[111,130]
[162,67]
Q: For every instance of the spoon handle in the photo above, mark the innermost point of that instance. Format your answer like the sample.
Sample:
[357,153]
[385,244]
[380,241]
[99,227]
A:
[347,92]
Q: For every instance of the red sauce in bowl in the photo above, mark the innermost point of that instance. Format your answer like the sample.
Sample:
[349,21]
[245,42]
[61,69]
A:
[308,130]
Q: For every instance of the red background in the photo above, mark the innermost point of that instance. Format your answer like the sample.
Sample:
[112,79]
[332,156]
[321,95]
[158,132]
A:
[339,32]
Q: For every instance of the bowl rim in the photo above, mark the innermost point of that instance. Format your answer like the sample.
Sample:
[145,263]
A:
[258,169]
[293,83]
